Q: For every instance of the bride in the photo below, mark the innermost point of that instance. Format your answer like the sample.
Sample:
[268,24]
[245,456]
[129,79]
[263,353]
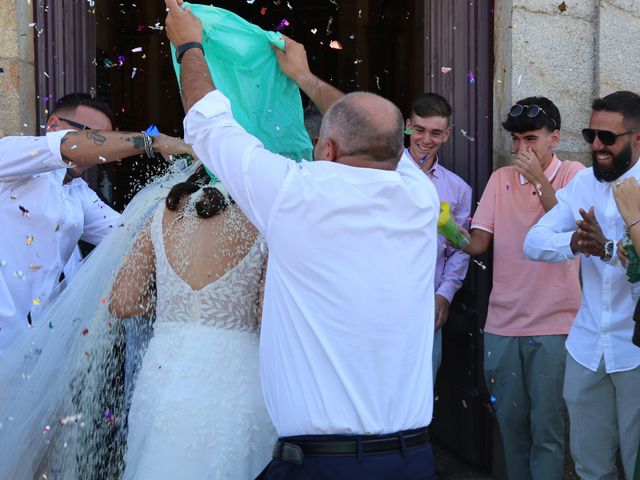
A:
[197,409]
[194,263]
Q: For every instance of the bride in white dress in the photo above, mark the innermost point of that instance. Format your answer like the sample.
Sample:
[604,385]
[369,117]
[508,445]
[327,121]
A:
[197,410]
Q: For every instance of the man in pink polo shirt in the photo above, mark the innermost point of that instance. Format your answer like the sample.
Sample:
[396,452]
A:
[532,305]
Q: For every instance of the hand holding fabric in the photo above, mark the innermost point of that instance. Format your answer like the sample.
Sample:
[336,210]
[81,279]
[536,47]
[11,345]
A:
[181,25]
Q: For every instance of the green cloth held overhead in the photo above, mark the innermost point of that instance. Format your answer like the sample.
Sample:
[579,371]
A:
[263,99]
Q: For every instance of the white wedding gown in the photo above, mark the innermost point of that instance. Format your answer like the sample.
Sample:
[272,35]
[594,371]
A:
[197,410]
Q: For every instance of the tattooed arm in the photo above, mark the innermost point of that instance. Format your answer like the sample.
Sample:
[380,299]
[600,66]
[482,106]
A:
[92,147]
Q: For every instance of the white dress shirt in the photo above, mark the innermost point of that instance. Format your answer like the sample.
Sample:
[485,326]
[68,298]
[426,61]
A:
[347,329]
[42,221]
[603,325]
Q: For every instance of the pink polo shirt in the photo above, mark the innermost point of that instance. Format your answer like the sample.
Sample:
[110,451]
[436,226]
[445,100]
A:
[527,298]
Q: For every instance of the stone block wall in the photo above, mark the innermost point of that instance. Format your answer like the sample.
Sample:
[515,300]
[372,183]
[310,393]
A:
[571,51]
[17,78]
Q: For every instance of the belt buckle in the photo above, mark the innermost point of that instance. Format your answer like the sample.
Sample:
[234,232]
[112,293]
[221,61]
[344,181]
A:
[289,452]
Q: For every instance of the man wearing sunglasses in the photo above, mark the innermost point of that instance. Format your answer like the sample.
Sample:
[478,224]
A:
[45,208]
[602,378]
[532,305]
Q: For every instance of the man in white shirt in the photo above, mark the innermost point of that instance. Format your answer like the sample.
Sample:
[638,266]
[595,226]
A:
[45,208]
[602,376]
[345,345]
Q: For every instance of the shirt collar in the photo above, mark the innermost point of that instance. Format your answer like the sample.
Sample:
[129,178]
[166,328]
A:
[632,172]
[550,172]
[435,168]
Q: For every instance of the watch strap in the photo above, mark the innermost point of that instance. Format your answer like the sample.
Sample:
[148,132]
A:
[182,49]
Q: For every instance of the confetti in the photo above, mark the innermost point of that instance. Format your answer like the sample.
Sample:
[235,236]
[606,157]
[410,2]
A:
[36,301]
[50,325]
[492,399]
[562,7]
[283,24]
[482,266]
[471,77]
[263,10]
[464,403]
[24,211]
[103,300]
[46,429]
[467,136]
[109,417]
[20,274]
[85,332]
[133,72]
[314,30]
[57,229]
[335,44]
[136,50]
[408,131]
[250,2]
[70,419]
[152,131]
[445,69]
[3,264]
[158,26]
[29,240]
[519,79]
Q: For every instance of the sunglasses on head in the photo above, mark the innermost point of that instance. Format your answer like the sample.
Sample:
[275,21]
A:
[606,137]
[77,125]
[532,112]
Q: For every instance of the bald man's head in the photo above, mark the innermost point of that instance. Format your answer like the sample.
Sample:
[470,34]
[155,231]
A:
[366,126]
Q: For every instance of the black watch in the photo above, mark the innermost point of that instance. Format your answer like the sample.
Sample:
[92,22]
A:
[608,251]
[182,49]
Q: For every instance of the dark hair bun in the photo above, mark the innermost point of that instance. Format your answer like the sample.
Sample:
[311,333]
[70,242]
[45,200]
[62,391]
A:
[213,201]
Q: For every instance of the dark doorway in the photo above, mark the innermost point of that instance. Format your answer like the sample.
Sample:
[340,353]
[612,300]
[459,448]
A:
[378,53]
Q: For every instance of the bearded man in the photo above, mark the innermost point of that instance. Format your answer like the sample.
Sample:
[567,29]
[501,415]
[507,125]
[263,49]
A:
[602,375]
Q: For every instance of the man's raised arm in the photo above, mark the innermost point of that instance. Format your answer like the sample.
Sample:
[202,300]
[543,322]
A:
[293,63]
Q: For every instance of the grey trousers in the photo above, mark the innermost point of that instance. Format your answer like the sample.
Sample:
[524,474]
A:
[525,376]
[604,411]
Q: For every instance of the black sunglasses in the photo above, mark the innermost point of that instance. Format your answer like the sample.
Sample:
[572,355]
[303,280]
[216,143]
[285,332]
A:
[606,137]
[532,112]
[77,125]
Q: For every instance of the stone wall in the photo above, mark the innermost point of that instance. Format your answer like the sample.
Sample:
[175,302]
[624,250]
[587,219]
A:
[571,52]
[17,78]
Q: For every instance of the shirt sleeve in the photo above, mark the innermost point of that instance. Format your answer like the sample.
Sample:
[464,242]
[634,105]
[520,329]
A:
[253,176]
[456,262]
[485,216]
[26,156]
[99,218]
[549,240]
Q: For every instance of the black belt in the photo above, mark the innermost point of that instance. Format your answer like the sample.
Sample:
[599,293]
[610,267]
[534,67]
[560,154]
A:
[293,449]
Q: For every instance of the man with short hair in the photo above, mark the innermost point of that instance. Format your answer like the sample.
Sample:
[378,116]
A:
[531,305]
[429,128]
[345,346]
[602,378]
[46,208]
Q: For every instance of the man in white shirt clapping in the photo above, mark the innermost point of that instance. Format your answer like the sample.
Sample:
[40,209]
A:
[602,376]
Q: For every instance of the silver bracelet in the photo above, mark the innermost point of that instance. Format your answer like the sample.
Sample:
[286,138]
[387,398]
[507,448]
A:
[635,222]
[148,145]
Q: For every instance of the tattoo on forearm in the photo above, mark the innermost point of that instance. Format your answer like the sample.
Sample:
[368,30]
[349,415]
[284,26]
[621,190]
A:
[138,141]
[96,138]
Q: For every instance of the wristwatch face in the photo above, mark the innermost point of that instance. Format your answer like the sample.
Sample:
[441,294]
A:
[608,250]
